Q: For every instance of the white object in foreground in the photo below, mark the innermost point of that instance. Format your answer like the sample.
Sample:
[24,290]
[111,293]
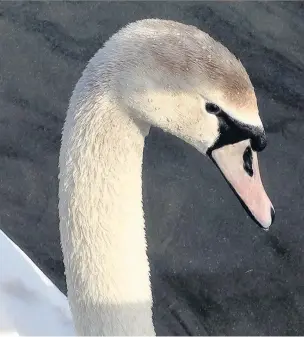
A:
[30,304]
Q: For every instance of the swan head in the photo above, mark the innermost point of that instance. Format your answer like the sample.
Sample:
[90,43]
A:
[176,77]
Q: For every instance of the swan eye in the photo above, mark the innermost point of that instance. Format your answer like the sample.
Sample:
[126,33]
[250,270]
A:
[212,108]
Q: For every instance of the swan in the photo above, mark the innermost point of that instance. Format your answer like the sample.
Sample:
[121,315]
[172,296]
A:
[150,73]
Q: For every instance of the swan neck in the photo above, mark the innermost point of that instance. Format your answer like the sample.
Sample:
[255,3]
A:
[102,223]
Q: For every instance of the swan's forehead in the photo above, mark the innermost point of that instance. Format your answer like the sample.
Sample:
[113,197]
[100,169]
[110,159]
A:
[240,103]
[227,84]
[179,54]
[206,63]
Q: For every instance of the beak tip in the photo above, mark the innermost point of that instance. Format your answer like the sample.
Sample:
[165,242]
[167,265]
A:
[272,213]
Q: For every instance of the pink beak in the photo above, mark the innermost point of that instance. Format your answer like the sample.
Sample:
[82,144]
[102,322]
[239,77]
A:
[239,165]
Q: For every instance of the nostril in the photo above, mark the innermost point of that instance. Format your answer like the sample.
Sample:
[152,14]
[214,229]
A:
[247,158]
[272,215]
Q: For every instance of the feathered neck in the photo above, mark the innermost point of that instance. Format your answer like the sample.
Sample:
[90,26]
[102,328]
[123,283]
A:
[102,222]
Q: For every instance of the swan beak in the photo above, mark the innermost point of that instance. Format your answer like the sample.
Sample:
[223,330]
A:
[239,165]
